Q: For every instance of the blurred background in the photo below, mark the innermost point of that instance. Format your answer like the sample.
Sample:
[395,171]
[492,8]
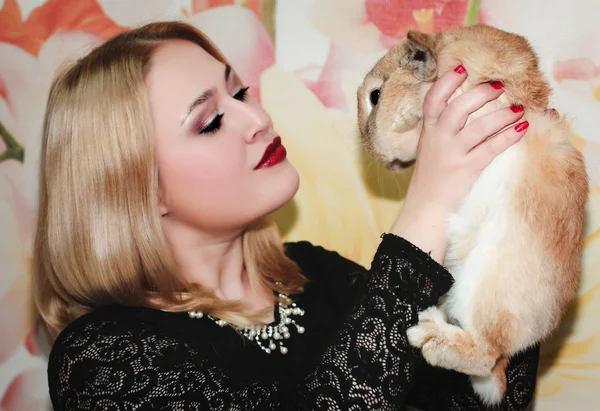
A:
[303,60]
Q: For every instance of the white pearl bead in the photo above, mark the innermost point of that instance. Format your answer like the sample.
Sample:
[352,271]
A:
[278,332]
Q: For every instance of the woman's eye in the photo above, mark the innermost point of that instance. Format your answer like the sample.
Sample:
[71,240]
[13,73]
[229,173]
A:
[242,94]
[213,126]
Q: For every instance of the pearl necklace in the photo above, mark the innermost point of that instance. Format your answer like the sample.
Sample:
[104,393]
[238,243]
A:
[260,335]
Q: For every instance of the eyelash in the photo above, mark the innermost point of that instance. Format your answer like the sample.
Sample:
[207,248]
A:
[215,124]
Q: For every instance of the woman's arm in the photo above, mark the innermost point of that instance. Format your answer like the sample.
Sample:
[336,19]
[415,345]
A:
[441,389]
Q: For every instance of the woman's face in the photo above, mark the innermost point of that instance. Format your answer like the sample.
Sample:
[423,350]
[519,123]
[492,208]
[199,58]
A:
[219,161]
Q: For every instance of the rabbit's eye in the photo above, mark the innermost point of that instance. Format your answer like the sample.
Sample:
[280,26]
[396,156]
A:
[374,97]
[420,55]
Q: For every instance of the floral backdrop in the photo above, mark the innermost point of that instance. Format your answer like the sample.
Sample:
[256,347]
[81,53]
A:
[303,60]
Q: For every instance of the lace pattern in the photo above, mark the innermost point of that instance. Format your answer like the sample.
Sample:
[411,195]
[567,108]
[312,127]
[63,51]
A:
[99,363]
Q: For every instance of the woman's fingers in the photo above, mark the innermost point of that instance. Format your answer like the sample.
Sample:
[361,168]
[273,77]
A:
[459,109]
[484,153]
[436,99]
[488,125]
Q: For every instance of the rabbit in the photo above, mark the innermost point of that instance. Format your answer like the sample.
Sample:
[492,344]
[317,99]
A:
[515,242]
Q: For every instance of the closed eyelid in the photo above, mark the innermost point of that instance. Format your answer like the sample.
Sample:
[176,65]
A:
[205,95]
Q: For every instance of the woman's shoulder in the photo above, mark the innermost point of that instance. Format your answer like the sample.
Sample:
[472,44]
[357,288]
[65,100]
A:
[314,259]
[107,331]
[117,353]
[105,319]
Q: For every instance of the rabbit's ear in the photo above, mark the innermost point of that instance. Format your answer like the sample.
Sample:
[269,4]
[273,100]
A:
[420,58]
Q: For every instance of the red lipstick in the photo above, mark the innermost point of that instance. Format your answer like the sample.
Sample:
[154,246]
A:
[274,154]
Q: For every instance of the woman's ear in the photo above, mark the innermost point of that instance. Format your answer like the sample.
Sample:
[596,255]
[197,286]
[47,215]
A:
[162,206]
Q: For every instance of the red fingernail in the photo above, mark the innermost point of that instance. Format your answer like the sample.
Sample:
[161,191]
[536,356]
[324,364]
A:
[522,126]
[496,84]
[517,109]
[460,69]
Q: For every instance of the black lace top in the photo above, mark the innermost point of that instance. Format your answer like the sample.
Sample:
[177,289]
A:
[354,354]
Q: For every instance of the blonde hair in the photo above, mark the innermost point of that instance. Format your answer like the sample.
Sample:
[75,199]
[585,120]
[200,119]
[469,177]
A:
[99,239]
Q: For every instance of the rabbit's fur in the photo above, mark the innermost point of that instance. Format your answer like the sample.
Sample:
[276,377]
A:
[514,244]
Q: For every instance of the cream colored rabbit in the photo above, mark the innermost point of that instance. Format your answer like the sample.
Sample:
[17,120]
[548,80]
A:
[516,240]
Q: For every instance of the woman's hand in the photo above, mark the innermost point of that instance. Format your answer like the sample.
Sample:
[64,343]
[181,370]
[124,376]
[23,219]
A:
[451,157]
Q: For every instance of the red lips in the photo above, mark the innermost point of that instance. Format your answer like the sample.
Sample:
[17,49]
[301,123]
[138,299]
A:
[274,154]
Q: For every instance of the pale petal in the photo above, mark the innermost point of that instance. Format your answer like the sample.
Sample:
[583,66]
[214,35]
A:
[294,29]
[27,392]
[37,342]
[583,68]
[15,325]
[538,21]
[591,151]
[11,246]
[345,23]
[581,110]
[65,47]
[136,12]
[329,87]
[592,221]
[19,72]
[249,54]
[23,114]
[23,213]
[27,6]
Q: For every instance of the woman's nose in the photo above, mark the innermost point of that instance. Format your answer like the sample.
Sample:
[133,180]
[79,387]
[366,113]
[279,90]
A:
[254,119]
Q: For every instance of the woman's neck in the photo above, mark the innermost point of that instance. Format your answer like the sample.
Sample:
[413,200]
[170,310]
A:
[217,263]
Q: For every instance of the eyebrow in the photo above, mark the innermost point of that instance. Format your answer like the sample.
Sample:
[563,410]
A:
[205,95]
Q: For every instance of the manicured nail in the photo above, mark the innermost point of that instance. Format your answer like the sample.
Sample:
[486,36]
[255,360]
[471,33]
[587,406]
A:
[522,126]
[553,113]
[517,109]
[460,69]
[497,85]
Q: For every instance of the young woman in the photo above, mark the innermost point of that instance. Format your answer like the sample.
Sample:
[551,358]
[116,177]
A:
[166,285]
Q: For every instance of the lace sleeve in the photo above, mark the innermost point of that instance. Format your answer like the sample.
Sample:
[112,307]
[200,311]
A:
[371,365]
[440,389]
[368,365]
